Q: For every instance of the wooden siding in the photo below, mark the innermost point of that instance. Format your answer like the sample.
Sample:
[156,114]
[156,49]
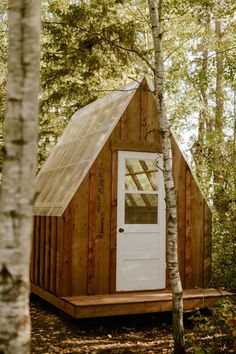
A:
[194,226]
[207,246]
[75,254]
[188,249]
[91,208]
[80,207]
[44,268]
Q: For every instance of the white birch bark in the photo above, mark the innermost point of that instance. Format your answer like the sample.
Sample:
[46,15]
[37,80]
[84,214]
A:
[17,190]
[171,203]
[219,110]
[218,201]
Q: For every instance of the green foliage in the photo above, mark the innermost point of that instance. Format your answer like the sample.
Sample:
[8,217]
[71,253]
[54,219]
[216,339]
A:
[87,48]
[224,250]
[191,71]
[214,332]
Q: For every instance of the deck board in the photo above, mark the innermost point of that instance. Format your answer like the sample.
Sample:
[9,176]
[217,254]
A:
[138,297]
[129,303]
[142,302]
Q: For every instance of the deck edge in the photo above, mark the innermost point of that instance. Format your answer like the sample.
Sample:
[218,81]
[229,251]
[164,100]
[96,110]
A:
[202,299]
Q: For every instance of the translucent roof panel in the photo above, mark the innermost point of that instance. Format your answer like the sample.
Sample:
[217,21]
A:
[80,144]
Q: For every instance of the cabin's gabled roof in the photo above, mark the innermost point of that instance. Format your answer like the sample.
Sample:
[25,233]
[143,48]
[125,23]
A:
[80,144]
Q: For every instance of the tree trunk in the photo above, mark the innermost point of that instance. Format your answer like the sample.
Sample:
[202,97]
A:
[17,190]
[219,112]
[204,121]
[218,199]
[201,149]
[198,147]
[171,203]
[234,139]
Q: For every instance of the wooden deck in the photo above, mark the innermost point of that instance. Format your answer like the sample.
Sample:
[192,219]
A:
[129,303]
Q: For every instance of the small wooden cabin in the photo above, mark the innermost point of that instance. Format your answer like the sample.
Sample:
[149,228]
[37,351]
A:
[99,244]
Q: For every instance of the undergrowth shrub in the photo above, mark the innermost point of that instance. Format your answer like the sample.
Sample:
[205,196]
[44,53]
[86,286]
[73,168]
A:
[224,251]
[214,332]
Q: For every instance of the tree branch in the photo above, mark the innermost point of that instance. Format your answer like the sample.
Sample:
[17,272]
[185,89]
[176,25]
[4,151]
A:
[187,39]
[131,50]
[214,54]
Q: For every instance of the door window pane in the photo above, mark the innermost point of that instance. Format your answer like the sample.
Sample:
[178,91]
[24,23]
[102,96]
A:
[140,175]
[141,208]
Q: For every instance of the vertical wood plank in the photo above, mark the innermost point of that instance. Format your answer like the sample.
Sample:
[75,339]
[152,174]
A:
[123,127]
[59,222]
[207,245]
[133,120]
[42,251]
[52,280]
[65,255]
[47,251]
[143,112]
[181,214]
[113,231]
[102,249]
[80,240]
[153,133]
[33,246]
[37,249]
[197,234]
[92,229]
[188,249]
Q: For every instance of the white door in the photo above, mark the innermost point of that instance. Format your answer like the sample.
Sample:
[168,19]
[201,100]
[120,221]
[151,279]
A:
[141,219]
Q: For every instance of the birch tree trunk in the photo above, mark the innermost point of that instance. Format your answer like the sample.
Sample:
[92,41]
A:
[218,201]
[219,109]
[201,148]
[171,203]
[17,190]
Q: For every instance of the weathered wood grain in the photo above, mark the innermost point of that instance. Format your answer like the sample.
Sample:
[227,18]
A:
[133,122]
[92,229]
[113,225]
[59,248]
[103,209]
[143,113]
[52,278]
[207,245]
[47,252]
[42,252]
[80,239]
[197,235]
[65,254]
[188,249]
[37,249]
[33,250]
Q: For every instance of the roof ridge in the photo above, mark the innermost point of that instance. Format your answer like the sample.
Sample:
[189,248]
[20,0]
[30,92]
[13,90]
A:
[110,93]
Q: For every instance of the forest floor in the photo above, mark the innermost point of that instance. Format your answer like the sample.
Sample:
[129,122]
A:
[55,332]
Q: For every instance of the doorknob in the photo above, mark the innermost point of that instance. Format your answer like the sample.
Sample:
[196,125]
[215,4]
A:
[121,230]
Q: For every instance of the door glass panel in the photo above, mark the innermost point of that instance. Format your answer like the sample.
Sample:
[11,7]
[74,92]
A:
[140,175]
[141,208]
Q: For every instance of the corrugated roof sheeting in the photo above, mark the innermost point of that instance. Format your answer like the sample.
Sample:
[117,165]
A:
[80,144]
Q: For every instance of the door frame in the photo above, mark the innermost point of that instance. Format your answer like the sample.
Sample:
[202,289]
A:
[160,227]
